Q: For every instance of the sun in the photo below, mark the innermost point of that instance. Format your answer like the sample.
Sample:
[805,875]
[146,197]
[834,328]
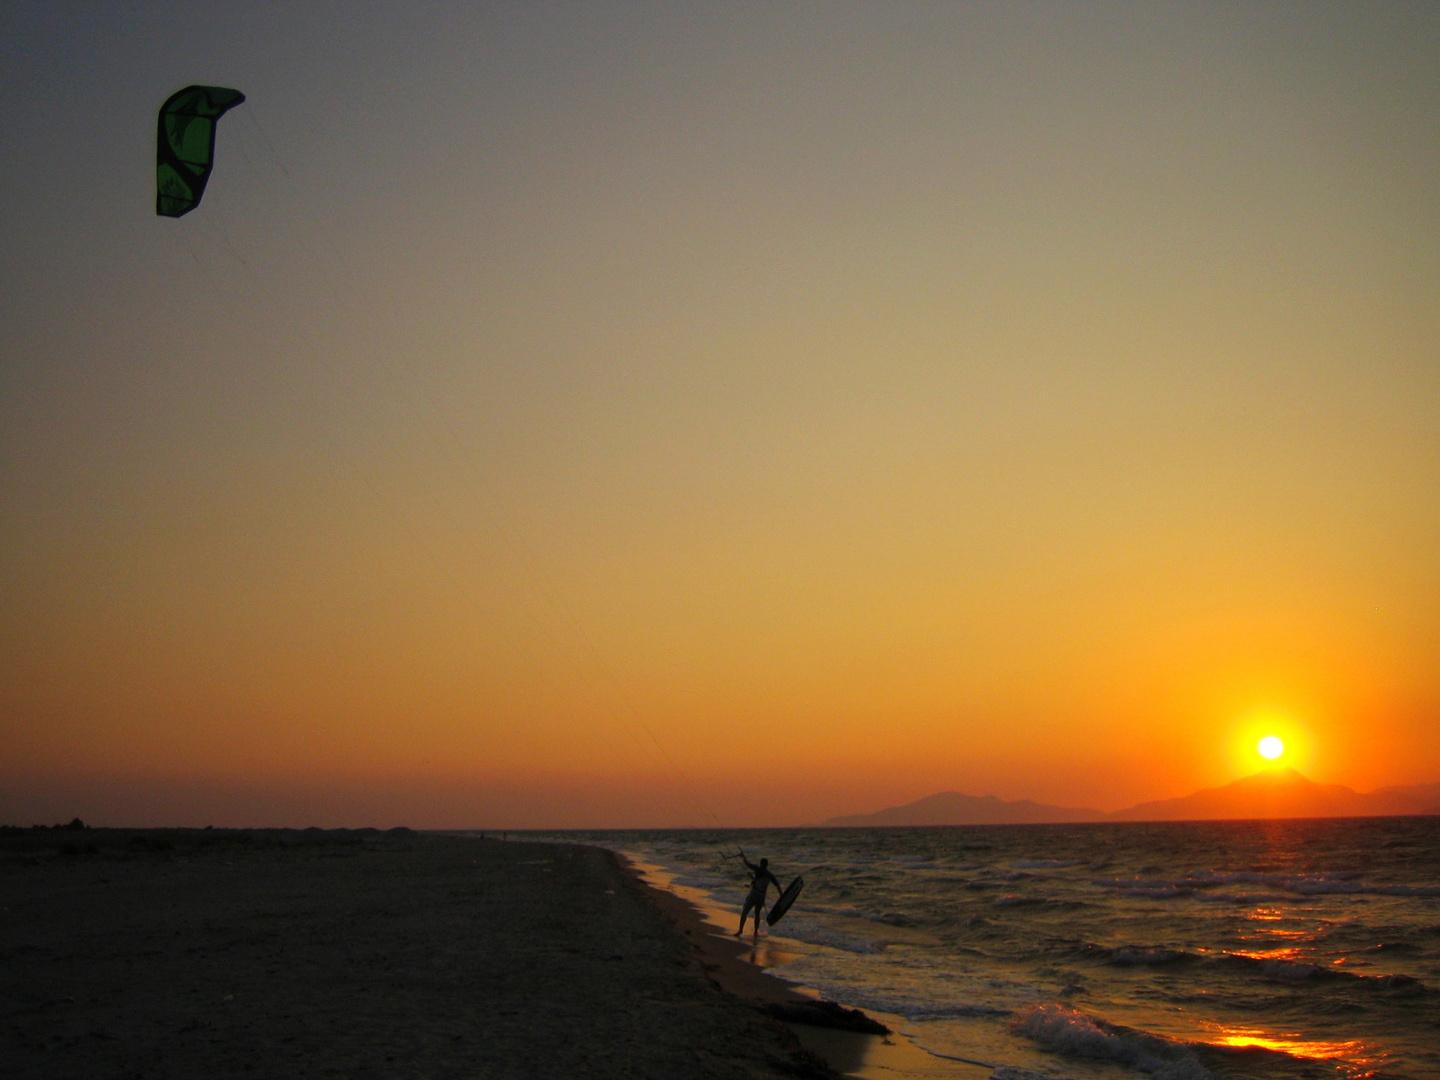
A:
[1265,738]
[1270,747]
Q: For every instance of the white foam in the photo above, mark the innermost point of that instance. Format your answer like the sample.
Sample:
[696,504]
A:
[1067,1031]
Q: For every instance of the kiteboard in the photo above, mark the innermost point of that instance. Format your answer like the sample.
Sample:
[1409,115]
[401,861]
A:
[782,905]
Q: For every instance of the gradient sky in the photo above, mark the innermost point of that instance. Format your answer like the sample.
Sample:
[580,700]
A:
[644,414]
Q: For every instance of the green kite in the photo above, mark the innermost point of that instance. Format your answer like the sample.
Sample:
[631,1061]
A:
[185,146]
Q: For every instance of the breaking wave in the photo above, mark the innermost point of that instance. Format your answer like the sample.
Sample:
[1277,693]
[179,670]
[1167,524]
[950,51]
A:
[1067,1031]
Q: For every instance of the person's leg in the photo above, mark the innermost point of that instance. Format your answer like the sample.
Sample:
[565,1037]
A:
[745,911]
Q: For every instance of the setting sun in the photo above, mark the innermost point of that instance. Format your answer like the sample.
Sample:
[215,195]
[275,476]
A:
[1269,736]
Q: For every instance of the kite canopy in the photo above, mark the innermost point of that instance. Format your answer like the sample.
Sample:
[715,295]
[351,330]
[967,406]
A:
[185,146]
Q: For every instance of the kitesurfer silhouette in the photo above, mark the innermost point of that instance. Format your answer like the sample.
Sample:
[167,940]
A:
[759,884]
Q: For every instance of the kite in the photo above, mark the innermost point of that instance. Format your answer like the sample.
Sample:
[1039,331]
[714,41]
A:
[185,145]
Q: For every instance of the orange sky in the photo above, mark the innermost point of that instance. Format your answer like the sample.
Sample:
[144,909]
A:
[685,414]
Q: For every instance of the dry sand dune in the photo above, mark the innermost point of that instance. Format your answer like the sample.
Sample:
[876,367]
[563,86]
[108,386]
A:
[304,954]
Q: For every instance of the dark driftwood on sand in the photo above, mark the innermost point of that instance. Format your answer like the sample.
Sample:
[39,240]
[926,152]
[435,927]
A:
[221,954]
[826,1014]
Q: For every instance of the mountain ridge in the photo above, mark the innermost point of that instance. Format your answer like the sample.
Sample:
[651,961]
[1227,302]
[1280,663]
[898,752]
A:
[1279,793]
[953,808]
[1273,793]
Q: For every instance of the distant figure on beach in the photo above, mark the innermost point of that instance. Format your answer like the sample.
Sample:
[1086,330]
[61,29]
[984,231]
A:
[759,884]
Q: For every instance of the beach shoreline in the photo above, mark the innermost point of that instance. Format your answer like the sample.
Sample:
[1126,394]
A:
[251,953]
[740,966]
[722,954]
[723,959]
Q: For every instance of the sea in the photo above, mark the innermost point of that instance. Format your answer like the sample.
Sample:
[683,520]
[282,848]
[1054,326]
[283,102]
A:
[1179,951]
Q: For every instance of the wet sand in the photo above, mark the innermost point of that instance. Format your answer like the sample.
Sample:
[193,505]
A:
[284,953]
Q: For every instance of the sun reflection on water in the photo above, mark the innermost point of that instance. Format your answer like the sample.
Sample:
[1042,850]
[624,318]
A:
[1354,1056]
[1285,953]
[1267,939]
[1265,914]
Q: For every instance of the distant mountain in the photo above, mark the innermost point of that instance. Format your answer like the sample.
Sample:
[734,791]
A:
[1427,794]
[952,808]
[1277,793]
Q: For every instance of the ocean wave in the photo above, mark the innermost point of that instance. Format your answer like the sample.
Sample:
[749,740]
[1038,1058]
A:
[1129,919]
[1396,981]
[803,930]
[1292,885]
[948,879]
[1128,955]
[844,911]
[1296,971]
[1152,890]
[1261,877]
[896,918]
[1342,884]
[1021,900]
[1068,1031]
[889,918]
[955,1012]
[1403,890]
[1133,957]
[1393,946]
[1290,970]
[914,1007]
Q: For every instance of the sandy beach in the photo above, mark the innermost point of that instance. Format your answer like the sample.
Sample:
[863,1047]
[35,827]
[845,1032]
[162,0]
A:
[222,953]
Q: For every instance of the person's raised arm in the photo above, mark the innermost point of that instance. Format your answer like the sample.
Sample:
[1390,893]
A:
[748,864]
